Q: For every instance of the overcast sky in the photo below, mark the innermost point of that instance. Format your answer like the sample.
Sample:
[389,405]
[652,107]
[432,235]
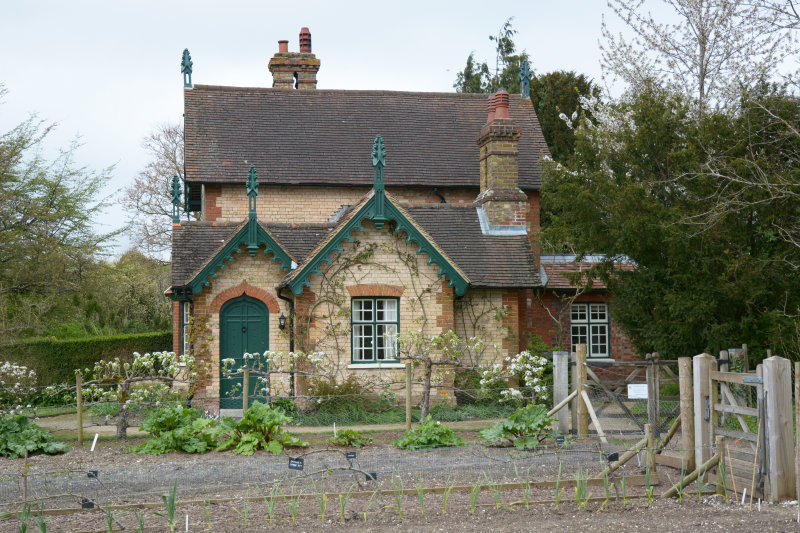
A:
[109,71]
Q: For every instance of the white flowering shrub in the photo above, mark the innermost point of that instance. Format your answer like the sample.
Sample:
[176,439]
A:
[148,379]
[528,367]
[17,383]
[272,370]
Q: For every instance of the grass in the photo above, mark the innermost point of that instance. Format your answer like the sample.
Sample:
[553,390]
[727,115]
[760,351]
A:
[356,414]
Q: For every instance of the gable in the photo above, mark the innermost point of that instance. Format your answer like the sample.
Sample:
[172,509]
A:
[379,208]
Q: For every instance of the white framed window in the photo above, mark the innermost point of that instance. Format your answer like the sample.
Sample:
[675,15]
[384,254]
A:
[590,326]
[375,322]
[186,312]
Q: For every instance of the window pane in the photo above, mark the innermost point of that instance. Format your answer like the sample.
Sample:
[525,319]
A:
[386,341]
[362,310]
[579,312]
[362,343]
[598,312]
[386,310]
[599,346]
[578,336]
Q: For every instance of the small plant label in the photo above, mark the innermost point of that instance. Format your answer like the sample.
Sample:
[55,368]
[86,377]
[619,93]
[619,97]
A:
[560,439]
[372,476]
[350,455]
[295,464]
[86,504]
[92,474]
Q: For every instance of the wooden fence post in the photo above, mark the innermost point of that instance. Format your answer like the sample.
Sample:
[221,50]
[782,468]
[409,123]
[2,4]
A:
[651,444]
[779,430]
[653,372]
[701,370]
[561,388]
[409,375]
[580,373]
[79,401]
[797,435]
[687,412]
[245,388]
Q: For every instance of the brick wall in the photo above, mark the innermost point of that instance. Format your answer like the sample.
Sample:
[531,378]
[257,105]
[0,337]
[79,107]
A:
[476,315]
[544,326]
[229,203]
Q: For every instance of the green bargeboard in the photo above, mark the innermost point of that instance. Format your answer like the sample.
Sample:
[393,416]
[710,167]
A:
[243,328]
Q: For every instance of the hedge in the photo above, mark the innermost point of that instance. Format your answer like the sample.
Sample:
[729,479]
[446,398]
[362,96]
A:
[55,361]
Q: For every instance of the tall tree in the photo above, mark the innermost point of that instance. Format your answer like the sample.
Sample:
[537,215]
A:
[713,50]
[639,173]
[479,78]
[47,237]
[148,199]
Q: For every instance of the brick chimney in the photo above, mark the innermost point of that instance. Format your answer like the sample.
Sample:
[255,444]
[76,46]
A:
[295,70]
[502,205]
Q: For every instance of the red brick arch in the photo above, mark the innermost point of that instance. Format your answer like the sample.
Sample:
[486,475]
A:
[242,289]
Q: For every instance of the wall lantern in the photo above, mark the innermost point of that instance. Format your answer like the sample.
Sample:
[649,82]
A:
[282,322]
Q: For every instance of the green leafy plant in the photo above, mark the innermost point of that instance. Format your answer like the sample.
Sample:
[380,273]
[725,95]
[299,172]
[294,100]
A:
[559,488]
[20,435]
[648,487]
[111,517]
[623,483]
[420,488]
[525,484]
[582,488]
[525,428]
[372,499]
[397,491]
[429,434]
[170,505]
[448,487]
[23,517]
[322,498]
[294,502]
[723,481]
[140,520]
[41,521]
[473,496]
[259,429]
[269,501]
[607,485]
[343,500]
[495,489]
[177,429]
[351,438]
[244,514]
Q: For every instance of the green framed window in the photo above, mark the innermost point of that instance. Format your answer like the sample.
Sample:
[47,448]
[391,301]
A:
[374,326]
[186,312]
[590,326]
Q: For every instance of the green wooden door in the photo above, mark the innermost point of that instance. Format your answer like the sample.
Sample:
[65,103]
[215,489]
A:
[243,326]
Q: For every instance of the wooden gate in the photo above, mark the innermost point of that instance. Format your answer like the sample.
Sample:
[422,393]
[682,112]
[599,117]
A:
[735,411]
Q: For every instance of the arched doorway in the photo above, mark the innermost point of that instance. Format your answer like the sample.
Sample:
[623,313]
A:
[243,328]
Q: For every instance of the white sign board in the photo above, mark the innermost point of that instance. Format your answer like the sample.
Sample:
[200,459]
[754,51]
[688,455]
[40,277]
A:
[637,391]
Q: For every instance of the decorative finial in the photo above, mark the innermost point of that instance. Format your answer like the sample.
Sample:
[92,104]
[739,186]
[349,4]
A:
[252,193]
[176,199]
[378,152]
[186,68]
[525,79]
[378,162]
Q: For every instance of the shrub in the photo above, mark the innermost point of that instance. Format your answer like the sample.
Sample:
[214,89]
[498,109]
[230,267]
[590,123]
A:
[55,360]
[429,434]
[177,429]
[351,438]
[259,429]
[17,383]
[286,405]
[19,434]
[527,427]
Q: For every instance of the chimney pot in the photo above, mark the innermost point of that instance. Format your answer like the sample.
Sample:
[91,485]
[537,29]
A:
[305,41]
[283,47]
[501,104]
[492,106]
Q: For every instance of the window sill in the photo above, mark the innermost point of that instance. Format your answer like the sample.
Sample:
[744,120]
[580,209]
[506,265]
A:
[375,365]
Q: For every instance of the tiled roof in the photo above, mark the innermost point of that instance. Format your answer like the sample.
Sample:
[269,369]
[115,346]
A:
[556,270]
[488,260]
[195,243]
[325,136]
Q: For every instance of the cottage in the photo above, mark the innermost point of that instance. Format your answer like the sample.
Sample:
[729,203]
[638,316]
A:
[331,220]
